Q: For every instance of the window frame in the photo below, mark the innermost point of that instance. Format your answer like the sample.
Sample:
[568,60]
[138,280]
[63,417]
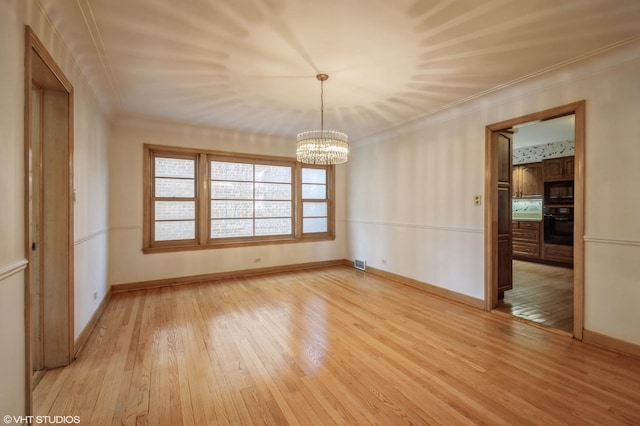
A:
[153,198]
[330,196]
[203,213]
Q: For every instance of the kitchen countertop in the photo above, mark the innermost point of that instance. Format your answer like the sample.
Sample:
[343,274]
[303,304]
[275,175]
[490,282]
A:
[525,217]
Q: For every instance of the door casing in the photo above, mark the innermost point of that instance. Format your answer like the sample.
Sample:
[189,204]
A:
[491,207]
[52,165]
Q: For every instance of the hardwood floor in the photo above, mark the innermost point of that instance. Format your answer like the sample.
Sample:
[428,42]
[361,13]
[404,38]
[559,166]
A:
[542,294]
[330,346]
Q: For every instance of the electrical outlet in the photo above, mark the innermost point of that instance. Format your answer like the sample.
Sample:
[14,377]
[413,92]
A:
[95,295]
[477,200]
[257,260]
[383,261]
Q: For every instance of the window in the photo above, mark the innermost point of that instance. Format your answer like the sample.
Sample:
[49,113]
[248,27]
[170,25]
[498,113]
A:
[174,199]
[211,199]
[315,200]
[250,200]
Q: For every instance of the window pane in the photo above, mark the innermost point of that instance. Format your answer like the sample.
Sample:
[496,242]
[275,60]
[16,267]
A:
[182,188]
[314,209]
[232,190]
[175,230]
[273,191]
[231,209]
[314,176]
[171,210]
[273,208]
[175,167]
[273,226]
[314,192]
[315,224]
[231,171]
[266,173]
[226,228]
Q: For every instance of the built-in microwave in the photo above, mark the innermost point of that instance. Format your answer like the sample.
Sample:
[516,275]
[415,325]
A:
[558,193]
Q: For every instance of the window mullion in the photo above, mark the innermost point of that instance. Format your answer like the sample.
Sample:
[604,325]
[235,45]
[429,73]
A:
[298,200]
[254,200]
[203,200]
[331,224]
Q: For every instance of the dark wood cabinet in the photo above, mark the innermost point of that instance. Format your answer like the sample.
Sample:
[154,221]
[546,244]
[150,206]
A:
[526,239]
[558,253]
[528,244]
[527,181]
[558,168]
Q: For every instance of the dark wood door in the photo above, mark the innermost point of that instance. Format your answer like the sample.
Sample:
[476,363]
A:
[505,176]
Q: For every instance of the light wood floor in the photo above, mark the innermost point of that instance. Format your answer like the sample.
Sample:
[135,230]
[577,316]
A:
[542,294]
[330,346]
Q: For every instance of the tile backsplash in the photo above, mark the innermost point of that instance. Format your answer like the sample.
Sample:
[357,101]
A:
[533,154]
[527,209]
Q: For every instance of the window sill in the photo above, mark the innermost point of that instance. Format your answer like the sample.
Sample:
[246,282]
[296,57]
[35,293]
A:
[195,247]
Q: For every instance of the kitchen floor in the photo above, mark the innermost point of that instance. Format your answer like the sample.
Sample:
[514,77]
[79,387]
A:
[542,294]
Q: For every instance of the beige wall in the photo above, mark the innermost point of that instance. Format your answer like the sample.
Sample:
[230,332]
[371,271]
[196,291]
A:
[12,333]
[127,262]
[91,131]
[91,212]
[411,191]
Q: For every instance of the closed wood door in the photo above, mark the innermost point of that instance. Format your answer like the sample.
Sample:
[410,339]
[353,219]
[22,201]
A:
[57,245]
[35,200]
[50,254]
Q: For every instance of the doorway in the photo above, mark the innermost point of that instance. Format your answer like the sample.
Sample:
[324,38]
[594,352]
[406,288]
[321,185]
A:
[48,213]
[542,227]
[498,218]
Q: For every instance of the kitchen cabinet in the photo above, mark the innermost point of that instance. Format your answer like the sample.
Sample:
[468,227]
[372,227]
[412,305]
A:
[558,253]
[527,181]
[558,168]
[526,237]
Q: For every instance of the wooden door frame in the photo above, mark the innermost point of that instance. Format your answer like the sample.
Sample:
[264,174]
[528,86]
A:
[491,207]
[55,78]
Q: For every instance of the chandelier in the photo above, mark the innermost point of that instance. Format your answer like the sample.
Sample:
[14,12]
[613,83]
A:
[322,146]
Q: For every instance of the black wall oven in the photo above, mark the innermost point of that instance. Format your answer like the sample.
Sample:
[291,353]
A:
[558,225]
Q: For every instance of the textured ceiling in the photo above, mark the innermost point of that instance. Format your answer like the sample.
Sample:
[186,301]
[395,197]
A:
[251,64]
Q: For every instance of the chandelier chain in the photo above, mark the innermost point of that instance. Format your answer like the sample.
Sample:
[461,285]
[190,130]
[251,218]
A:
[321,104]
